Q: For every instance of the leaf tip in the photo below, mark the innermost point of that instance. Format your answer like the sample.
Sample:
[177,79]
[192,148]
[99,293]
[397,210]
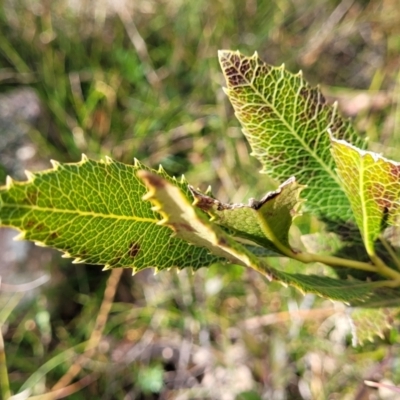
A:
[20,236]
[108,160]
[9,182]
[55,164]
[223,55]
[84,158]
[30,176]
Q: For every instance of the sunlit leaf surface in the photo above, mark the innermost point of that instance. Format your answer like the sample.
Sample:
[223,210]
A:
[265,221]
[94,212]
[372,184]
[189,223]
[286,123]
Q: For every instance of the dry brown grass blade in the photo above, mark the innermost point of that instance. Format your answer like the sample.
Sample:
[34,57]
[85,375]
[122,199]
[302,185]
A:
[97,332]
[284,316]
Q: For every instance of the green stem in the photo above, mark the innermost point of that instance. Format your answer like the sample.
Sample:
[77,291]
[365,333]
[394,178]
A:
[383,269]
[4,383]
[333,261]
[378,265]
[307,258]
[390,283]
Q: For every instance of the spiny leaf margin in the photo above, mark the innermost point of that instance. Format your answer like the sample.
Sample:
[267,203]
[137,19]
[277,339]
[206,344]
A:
[93,212]
[286,121]
[265,222]
[190,223]
[372,185]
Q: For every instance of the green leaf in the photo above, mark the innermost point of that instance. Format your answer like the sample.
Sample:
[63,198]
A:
[191,224]
[371,322]
[265,222]
[372,184]
[239,220]
[286,123]
[94,212]
[374,316]
[346,291]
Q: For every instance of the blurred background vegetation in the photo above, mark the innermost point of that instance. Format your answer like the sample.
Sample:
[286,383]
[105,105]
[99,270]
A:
[141,79]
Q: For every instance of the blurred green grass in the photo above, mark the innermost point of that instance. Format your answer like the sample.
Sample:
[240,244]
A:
[143,81]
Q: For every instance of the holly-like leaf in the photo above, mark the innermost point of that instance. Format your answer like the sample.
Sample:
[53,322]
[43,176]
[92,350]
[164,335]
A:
[189,223]
[372,184]
[286,123]
[265,222]
[367,323]
[94,212]
[192,225]
[374,316]
[347,291]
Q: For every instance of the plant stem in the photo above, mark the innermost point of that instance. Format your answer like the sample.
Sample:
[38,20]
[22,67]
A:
[383,269]
[4,383]
[333,261]
[379,266]
[390,283]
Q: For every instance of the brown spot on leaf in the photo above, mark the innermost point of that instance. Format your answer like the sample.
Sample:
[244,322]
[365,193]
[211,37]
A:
[31,197]
[266,110]
[84,254]
[29,224]
[244,67]
[151,179]
[235,79]
[235,60]
[134,249]
[314,99]
[395,171]
[53,236]
[222,241]
[40,227]
[115,261]
[203,201]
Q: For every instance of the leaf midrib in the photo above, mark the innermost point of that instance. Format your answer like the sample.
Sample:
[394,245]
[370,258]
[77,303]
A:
[84,213]
[294,133]
[364,214]
[289,127]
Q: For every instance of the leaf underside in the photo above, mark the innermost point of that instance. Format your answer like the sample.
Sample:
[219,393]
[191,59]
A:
[286,123]
[118,215]
[372,184]
[190,223]
[94,212]
[263,222]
